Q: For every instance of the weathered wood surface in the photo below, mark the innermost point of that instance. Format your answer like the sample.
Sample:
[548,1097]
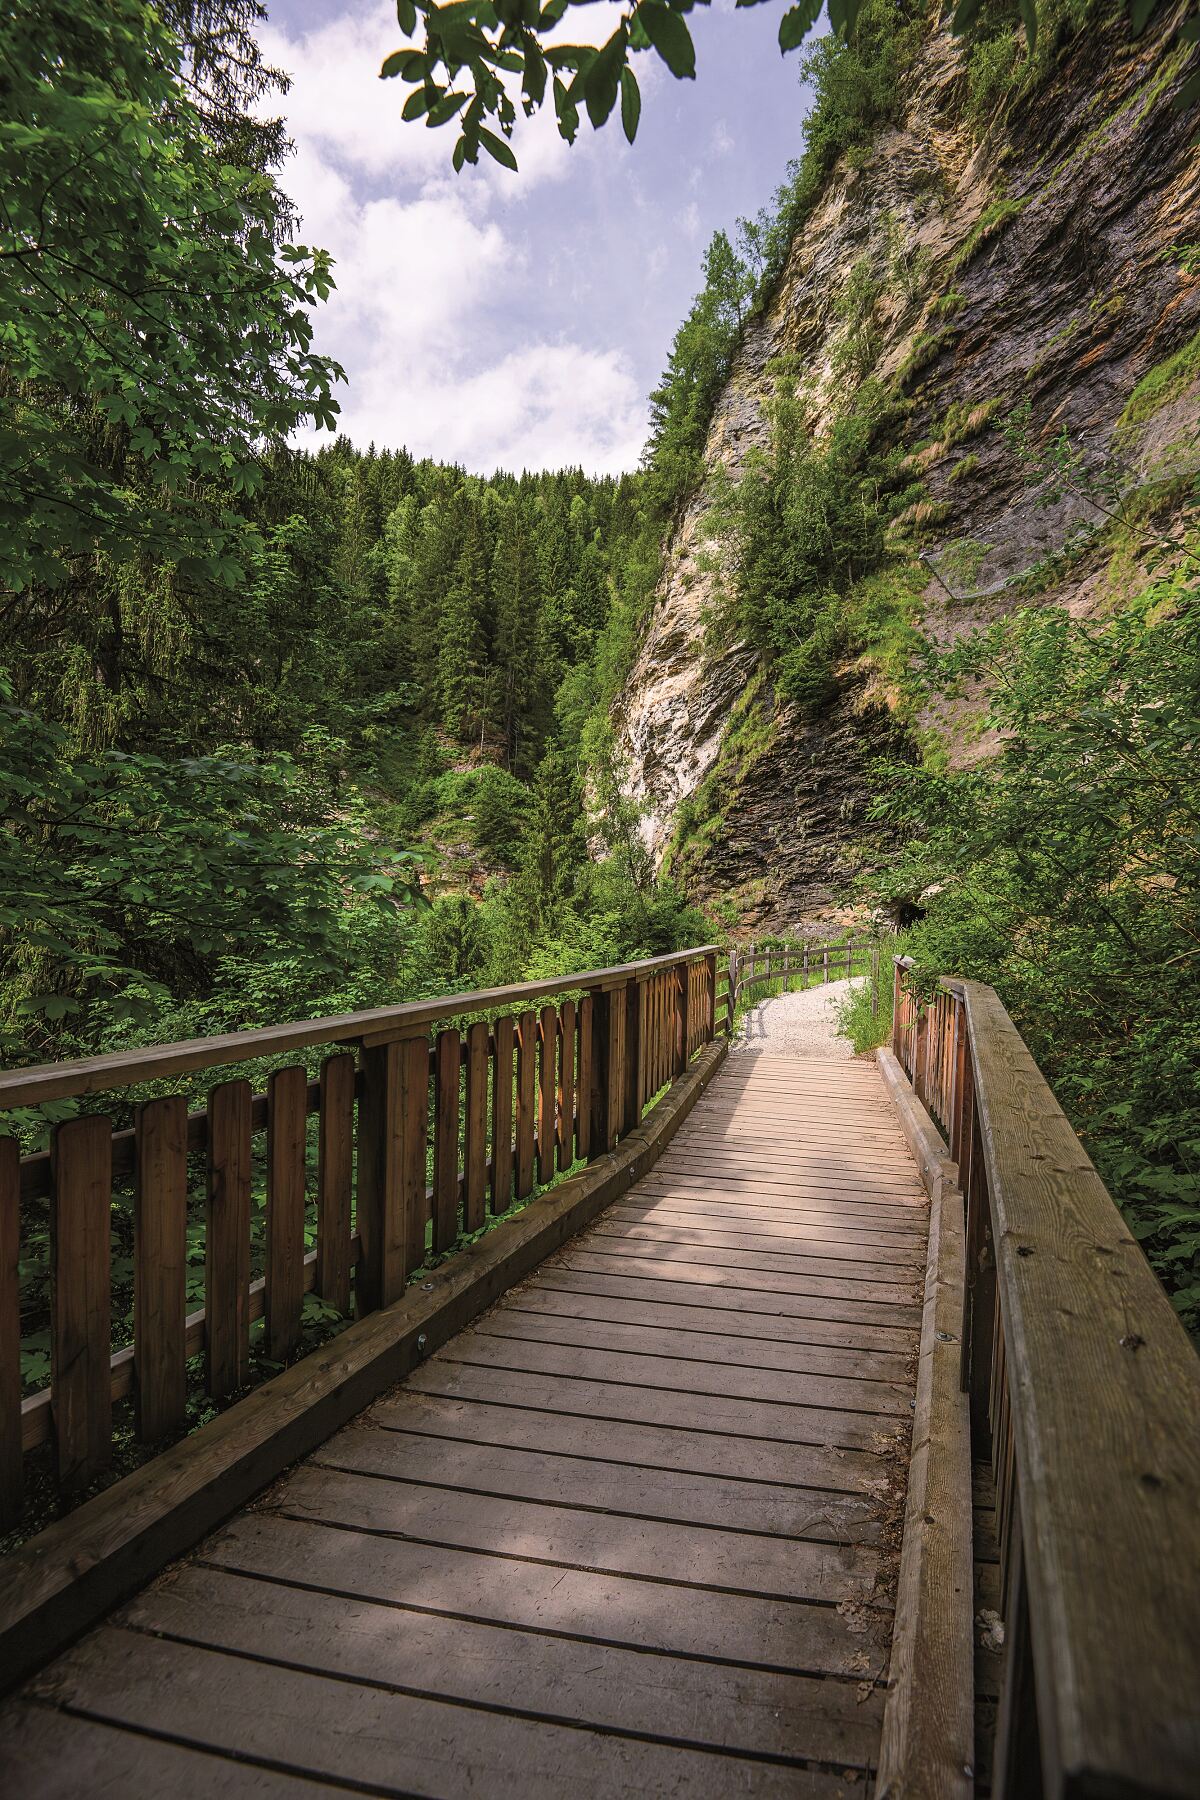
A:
[632,1532]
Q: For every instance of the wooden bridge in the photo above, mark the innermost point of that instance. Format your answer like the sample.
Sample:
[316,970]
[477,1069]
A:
[708,1424]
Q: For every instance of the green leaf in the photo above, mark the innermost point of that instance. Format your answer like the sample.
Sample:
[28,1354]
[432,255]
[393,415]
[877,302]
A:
[406,16]
[1140,14]
[796,23]
[1028,10]
[392,64]
[631,103]
[670,37]
[419,102]
[496,147]
[602,82]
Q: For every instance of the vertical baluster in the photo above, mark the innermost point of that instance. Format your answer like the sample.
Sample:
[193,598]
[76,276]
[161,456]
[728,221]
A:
[80,1258]
[566,1085]
[448,1069]
[227,1239]
[413,1216]
[584,1096]
[160,1267]
[526,1100]
[11,1448]
[335,1180]
[475,1151]
[547,1132]
[710,996]
[611,1074]
[287,1119]
[379,1278]
[502,1115]
[683,978]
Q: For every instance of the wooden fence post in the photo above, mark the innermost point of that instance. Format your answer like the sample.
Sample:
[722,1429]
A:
[287,1122]
[79,1297]
[227,1240]
[160,1267]
[12,1474]
[335,1180]
[710,1022]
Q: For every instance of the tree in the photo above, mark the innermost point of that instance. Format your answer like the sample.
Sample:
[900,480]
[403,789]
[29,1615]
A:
[155,317]
[463,68]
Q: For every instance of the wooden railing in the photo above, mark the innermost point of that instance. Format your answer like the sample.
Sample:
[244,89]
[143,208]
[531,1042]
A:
[417,1140]
[1085,1392]
[756,971]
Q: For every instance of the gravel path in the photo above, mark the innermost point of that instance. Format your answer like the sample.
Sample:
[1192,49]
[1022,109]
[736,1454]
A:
[801,1024]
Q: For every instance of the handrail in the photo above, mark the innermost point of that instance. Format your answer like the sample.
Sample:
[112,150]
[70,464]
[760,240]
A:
[1085,1390]
[127,1068]
[418,1141]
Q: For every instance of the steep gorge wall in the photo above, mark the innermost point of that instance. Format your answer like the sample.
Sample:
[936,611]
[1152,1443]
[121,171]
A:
[1042,268]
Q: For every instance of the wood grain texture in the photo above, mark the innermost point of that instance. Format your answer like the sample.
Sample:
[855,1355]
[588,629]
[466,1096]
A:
[1100,1376]
[79,1299]
[526,1101]
[227,1240]
[502,1114]
[568,1049]
[475,1139]
[547,1124]
[12,1481]
[160,1267]
[335,1181]
[448,1073]
[287,1144]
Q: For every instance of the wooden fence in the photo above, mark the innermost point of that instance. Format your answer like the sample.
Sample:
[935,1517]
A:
[1085,1393]
[427,1121]
[756,971]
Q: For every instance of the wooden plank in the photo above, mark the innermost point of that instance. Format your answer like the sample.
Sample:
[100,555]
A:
[928,1735]
[287,1145]
[57,1755]
[568,1047]
[379,1277]
[79,1299]
[772,1568]
[782,1246]
[854,1228]
[661,1371]
[611,1073]
[528,1317]
[547,1128]
[526,1101]
[502,1115]
[160,1267]
[637,1027]
[556,1477]
[644,1615]
[748,1269]
[477,1663]
[227,1240]
[814,1298]
[884,1355]
[830,1431]
[475,1146]
[335,1181]
[413,1153]
[1104,1386]
[11,1446]
[587,1079]
[365,1736]
[448,1073]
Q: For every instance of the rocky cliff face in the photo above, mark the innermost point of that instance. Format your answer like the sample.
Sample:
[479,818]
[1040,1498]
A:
[1040,265]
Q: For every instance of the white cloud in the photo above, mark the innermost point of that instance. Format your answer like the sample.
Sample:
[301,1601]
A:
[434,282]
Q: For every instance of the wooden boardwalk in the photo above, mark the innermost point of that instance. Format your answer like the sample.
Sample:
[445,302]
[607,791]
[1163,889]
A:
[632,1533]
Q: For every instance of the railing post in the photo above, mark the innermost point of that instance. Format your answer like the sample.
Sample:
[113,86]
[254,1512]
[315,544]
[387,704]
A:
[12,1473]
[710,963]
[874,979]
[682,1024]
[804,970]
[636,997]
[897,1002]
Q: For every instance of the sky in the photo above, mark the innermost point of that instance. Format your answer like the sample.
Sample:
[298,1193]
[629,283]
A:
[520,321]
